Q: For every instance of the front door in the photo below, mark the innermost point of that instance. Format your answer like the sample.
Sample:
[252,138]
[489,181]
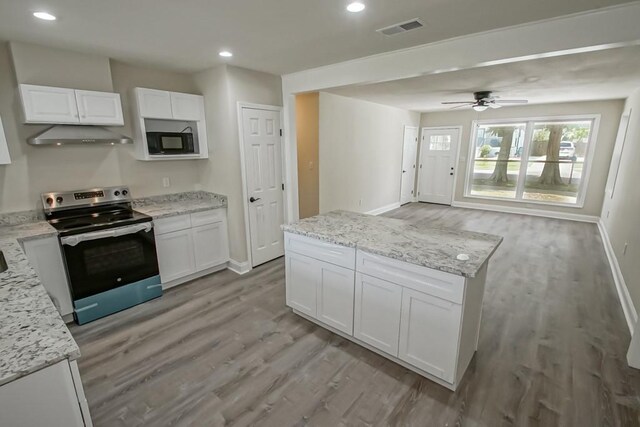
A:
[409,159]
[438,150]
[263,162]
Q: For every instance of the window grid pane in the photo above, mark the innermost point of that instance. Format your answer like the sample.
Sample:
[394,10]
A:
[551,171]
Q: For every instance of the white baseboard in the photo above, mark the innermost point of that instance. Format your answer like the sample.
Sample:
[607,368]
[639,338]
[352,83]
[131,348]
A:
[623,293]
[239,267]
[527,211]
[384,209]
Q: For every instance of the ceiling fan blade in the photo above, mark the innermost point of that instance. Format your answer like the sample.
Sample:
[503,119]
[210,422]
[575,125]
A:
[462,106]
[458,102]
[512,101]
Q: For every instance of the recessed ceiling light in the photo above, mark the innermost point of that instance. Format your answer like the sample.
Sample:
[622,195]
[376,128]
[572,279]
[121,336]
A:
[44,15]
[226,54]
[356,6]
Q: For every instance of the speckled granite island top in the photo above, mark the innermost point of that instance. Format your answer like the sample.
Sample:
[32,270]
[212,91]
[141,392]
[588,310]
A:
[179,204]
[429,247]
[32,333]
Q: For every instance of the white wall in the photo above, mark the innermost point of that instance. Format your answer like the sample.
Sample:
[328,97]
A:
[610,112]
[223,87]
[38,169]
[360,153]
[621,214]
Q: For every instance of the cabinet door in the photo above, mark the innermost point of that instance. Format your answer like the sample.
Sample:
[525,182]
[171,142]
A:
[210,245]
[44,104]
[429,332]
[187,107]
[44,398]
[99,108]
[45,257]
[335,296]
[302,276]
[175,255]
[377,313]
[155,104]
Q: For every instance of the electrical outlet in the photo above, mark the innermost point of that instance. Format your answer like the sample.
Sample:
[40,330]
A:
[624,251]
[165,182]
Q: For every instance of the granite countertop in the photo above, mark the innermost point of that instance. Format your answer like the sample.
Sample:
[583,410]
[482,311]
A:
[435,248]
[179,204]
[32,333]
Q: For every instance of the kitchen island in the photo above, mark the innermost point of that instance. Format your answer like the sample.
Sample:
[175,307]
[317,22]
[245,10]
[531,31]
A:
[412,294]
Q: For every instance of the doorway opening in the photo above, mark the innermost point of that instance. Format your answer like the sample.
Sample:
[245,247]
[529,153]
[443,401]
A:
[308,136]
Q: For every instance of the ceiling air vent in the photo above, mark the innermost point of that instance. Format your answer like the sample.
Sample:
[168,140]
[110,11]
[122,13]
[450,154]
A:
[402,27]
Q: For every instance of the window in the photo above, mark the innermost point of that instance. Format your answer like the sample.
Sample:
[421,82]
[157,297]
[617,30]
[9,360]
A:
[532,160]
[440,143]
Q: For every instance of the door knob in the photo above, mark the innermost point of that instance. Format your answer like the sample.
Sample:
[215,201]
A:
[404,171]
[253,199]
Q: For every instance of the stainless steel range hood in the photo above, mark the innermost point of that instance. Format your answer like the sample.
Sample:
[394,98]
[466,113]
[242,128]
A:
[89,135]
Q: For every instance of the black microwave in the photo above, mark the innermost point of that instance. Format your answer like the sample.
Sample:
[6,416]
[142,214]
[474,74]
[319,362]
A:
[170,143]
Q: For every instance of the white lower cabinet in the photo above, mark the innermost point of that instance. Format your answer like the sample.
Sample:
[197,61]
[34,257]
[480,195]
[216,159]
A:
[321,290]
[335,296]
[175,255]
[190,244]
[210,245]
[377,313]
[424,319]
[45,256]
[429,333]
[48,397]
[302,283]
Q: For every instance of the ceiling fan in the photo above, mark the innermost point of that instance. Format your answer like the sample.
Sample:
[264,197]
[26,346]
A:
[484,100]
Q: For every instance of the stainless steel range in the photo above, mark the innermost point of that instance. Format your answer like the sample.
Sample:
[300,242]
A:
[109,250]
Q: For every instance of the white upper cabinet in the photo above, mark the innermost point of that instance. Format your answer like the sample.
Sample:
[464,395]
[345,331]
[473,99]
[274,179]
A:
[99,108]
[56,105]
[162,111]
[44,104]
[154,104]
[161,104]
[186,107]
[5,159]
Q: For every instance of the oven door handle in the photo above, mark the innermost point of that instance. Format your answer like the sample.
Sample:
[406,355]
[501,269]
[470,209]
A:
[114,232]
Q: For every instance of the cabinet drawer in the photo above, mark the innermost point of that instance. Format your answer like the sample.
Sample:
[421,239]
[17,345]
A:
[173,223]
[422,279]
[207,217]
[323,251]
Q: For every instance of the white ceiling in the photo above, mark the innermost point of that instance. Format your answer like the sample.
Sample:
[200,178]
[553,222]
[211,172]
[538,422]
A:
[606,74]
[277,36]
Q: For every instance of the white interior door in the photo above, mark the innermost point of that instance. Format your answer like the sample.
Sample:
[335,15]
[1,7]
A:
[438,151]
[263,163]
[409,159]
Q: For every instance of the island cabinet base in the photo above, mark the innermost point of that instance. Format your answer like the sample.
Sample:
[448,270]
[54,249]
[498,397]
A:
[423,319]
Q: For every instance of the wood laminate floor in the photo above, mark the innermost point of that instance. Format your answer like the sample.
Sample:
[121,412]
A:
[224,350]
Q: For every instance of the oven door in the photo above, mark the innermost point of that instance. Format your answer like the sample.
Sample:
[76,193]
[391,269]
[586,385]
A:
[104,260]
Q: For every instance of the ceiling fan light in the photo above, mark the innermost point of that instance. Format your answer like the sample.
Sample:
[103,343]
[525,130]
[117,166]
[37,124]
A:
[494,105]
[480,108]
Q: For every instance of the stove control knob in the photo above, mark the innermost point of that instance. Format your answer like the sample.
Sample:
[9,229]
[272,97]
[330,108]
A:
[125,192]
[116,193]
[59,199]
[49,201]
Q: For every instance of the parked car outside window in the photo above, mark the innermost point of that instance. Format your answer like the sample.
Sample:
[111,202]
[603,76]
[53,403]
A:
[568,151]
